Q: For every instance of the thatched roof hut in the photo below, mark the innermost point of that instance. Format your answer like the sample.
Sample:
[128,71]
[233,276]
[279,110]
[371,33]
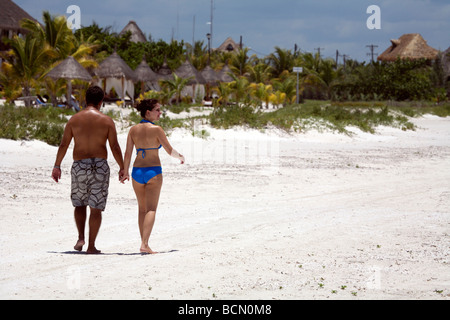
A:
[228,46]
[145,74]
[10,16]
[136,33]
[409,46]
[187,71]
[118,75]
[115,67]
[165,73]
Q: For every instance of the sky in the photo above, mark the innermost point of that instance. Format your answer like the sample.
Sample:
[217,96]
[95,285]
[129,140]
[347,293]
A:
[312,25]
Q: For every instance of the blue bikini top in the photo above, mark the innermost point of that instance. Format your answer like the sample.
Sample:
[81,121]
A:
[143,150]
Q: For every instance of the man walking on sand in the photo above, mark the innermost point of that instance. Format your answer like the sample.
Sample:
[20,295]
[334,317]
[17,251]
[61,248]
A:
[90,171]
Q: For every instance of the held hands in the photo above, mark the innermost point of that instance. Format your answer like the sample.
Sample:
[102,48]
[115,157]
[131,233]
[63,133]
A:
[123,176]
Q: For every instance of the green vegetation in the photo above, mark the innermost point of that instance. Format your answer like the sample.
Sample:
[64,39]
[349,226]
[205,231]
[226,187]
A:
[45,124]
[336,116]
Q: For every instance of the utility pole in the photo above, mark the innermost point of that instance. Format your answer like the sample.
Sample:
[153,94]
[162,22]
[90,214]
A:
[212,17]
[372,54]
[319,50]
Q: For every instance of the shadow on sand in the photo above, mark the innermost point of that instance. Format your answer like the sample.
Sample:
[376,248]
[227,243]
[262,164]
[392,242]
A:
[110,253]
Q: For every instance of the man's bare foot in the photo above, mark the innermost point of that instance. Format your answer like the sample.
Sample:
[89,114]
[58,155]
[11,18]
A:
[147,250]
[93,250]
[79,245]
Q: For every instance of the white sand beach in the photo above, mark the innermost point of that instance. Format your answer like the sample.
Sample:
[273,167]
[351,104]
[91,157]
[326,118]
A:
[251,215]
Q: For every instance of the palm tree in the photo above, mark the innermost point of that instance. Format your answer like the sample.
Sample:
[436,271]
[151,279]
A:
[240,89]
[29,57]
[262,93]
[281,60]
[224,91]
[54,32]
[240,62]
[175,86]
[259,73]
[287,84]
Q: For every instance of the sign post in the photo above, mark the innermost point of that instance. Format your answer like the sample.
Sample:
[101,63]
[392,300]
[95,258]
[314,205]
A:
[298,70]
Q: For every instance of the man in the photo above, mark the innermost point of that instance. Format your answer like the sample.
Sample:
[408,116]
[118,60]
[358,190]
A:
[90,171]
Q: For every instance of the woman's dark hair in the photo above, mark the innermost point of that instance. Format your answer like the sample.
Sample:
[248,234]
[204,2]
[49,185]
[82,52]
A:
[94,95]
[146,104]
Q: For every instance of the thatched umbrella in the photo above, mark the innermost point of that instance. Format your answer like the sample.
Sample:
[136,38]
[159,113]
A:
[187,71]
[145,74]
[225,74]
[70,70]
[211,77]
[165,73]
[114,68]
[409,46]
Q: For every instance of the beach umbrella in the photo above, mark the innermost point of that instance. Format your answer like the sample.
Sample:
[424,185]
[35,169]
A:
[165,73]
[144,74]
[116,73]
[187,71]
[69,69]
[224,74]
[211,77]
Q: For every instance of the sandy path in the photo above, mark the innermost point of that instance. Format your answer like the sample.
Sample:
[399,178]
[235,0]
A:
[250,216]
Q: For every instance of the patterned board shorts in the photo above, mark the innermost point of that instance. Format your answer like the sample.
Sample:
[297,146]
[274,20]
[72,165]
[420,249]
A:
[90,183]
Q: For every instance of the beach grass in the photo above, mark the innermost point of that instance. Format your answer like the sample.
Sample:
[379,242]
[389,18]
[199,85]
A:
[47,123]
[44,124]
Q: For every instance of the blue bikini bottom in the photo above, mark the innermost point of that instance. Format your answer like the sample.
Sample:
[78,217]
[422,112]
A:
[144,175]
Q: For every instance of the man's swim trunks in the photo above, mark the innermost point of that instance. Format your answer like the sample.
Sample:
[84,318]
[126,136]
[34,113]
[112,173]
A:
[90,183]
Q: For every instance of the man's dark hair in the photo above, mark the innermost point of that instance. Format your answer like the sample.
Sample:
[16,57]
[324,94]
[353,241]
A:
[94,95]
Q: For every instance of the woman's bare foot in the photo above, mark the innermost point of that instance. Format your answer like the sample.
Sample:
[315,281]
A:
[146,249]
[79,245]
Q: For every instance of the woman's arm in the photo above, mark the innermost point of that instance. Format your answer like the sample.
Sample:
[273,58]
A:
[166,144]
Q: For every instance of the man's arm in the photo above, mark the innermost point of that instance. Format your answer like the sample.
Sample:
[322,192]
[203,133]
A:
[65,143]
[115,147]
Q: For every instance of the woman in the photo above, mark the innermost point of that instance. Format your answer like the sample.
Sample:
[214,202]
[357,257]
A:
[147,173]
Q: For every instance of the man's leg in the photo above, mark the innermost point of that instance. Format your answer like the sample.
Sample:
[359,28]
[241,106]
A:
[95,220]
[80,220]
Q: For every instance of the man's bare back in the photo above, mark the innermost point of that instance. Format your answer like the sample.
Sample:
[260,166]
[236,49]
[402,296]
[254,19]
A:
[91,129]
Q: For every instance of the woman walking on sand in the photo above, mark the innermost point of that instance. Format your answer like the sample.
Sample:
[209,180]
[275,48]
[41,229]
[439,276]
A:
[147,177]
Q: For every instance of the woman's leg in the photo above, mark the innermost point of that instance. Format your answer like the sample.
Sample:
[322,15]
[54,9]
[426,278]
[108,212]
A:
[148,198]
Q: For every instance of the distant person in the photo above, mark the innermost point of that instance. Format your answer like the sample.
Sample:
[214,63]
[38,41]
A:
[147,172]
[90,129]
